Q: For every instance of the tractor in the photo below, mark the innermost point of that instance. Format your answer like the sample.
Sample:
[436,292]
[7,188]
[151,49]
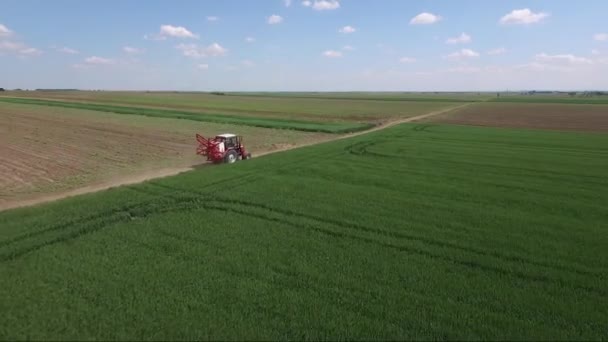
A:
[224,148]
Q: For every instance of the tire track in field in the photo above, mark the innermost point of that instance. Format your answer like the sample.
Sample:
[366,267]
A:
[194,203]
[197,201]
[392,234]
[166,172]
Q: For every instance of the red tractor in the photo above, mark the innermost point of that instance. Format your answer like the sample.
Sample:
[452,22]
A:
[224,148]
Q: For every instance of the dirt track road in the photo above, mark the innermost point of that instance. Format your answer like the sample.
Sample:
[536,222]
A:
[165,172]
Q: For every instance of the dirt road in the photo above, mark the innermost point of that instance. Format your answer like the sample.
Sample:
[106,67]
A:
[165,172]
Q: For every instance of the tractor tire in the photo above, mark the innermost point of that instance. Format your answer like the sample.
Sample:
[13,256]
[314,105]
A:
[231,157]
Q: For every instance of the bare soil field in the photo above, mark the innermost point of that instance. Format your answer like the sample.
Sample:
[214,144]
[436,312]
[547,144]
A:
[49,150]
[574,117]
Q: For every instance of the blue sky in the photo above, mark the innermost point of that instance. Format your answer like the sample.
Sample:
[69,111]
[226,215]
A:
[304,45]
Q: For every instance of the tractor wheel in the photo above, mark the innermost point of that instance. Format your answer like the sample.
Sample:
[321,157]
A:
[248,155]
[230,157]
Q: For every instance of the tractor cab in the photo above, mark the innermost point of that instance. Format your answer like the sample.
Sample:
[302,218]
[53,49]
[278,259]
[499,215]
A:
[229,140]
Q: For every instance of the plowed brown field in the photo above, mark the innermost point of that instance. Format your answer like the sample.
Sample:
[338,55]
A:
[574,117]
[48,150]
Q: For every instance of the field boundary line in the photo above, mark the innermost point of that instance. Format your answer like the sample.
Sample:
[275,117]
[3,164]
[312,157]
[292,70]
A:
[173,171]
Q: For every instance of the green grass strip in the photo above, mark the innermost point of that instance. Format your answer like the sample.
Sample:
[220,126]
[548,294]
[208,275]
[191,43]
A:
[298,125]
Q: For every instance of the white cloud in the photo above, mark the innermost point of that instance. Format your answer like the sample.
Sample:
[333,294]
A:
[497,51]
[176,31]
[171,31]
[601,37]
[250,39]
[202,66]
[212,18]
[13,47]
[68,50]
[131,50]
[562,59]
[216,49]
[332,54]
[195,51]
[425,19]
[18,48]
[462,39]
[595,52]
[348,29]
[98,60]
[324,5]
[523,17]
[287,3]
[462,54]
[407,60]
[275,19]
[4,31]
[247,63]
[348,48]
[30,51]
[306,3]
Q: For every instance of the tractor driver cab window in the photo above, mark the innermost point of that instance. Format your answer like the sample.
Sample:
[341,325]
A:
[230,142]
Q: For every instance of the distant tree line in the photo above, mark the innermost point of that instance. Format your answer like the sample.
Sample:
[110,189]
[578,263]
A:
[596,93]
[56,89]
[571,93]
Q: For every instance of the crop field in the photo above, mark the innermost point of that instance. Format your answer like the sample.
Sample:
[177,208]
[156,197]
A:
[557,99]
[278,123]
[574,117]
[51,149]
[350,109]
[382,96]
[419,231]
